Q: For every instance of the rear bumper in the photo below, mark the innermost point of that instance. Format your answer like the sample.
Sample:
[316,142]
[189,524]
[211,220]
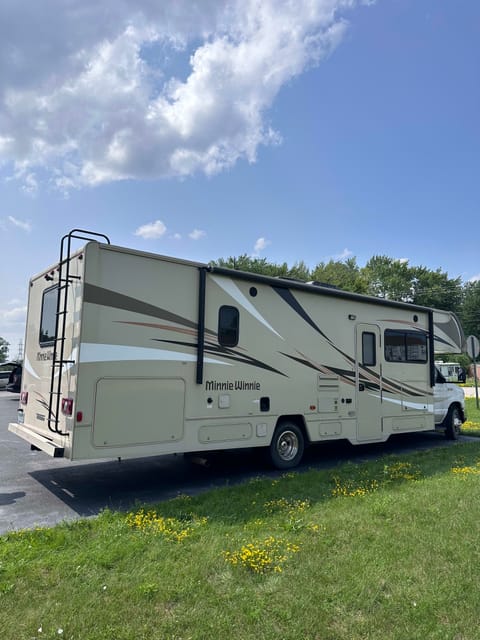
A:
[37,440]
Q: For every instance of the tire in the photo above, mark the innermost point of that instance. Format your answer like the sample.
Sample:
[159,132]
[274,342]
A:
[453,423]
[287,446]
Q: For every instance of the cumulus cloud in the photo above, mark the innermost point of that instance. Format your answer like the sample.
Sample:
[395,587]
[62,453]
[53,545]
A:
[152,230]
[196,234]
[21,224]
[94,92]
[346,253]
[260,245]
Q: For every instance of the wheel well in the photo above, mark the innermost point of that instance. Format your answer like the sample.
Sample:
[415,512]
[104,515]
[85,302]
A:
[299,420]
[456,405]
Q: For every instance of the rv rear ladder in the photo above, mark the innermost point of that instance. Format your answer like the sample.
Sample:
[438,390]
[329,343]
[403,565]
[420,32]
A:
[65,279]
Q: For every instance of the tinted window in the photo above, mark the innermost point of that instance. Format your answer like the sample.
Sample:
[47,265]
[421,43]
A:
[47,322]
[228,321]
[405,346]
[416,347]
[368,349]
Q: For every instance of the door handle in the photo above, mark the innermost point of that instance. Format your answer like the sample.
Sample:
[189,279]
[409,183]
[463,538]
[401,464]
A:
[361,387]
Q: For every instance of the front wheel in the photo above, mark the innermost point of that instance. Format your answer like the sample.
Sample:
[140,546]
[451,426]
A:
[453,423]
[287,446]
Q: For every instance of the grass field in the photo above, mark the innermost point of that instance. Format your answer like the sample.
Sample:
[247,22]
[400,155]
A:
[382,550]
[472,426]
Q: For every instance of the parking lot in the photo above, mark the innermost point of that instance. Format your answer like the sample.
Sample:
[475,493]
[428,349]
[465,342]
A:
[36,490]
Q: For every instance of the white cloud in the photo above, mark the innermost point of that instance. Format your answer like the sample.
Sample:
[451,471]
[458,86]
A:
[87,93]
[475,278]
[196,234]
[346,253]
[152,230]
[176,236]
[26,226]
[14,316]
[260,245]
[12,327]
[29,182]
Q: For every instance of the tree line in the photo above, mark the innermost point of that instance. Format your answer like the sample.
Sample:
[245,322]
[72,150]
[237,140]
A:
[382,277]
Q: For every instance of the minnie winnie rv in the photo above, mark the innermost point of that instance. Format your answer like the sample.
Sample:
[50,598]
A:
[131,354]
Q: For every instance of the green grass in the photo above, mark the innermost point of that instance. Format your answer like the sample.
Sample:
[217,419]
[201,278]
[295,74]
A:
[384,549]
[472,426]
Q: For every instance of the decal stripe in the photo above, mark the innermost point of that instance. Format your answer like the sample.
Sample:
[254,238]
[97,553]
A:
[233,290]
[108,298]
[96,352]
[228,354]
[292,302]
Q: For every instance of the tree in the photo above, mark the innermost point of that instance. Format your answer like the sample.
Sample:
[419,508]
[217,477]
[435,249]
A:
[435,289]
[388,278]
[3,349]
[382,277]
[470,310]
[344,275]
[261,266]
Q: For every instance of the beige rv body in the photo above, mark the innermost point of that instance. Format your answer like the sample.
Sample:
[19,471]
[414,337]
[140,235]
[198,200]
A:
[143,373]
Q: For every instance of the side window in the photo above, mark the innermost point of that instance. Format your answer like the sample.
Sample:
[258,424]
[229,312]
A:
[368,349]
[405,346]
[395,346]
[228,326]
[48,317]
[416,347]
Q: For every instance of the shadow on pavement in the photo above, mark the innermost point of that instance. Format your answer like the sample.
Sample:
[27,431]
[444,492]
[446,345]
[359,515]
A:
[10,498]
[89,488]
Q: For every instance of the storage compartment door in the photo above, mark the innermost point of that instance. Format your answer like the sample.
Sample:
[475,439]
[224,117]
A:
[135,411]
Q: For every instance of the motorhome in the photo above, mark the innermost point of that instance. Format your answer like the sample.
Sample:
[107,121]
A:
[449,370]
[131,354]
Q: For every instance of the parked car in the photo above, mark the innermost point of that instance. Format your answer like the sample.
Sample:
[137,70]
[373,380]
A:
[15,378]
[4,377]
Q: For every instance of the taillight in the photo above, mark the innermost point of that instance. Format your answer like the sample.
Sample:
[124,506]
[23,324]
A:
[24,397]
[67,406]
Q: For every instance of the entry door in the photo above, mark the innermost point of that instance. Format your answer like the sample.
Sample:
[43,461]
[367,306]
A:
[368,382]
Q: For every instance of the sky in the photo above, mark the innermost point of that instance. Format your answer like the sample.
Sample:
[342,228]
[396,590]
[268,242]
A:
[285,129]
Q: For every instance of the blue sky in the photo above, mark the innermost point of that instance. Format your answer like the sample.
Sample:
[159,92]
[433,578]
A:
[304,130]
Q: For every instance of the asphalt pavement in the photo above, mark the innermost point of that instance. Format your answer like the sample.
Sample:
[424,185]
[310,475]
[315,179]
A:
[36,490]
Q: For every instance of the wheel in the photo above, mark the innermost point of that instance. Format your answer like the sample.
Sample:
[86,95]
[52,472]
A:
[453,423]
[287,446]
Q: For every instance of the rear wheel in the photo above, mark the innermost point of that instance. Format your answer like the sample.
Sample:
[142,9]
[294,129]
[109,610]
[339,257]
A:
[287,446]
[453,423]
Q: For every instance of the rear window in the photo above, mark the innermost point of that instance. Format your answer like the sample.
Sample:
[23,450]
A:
[48,318]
